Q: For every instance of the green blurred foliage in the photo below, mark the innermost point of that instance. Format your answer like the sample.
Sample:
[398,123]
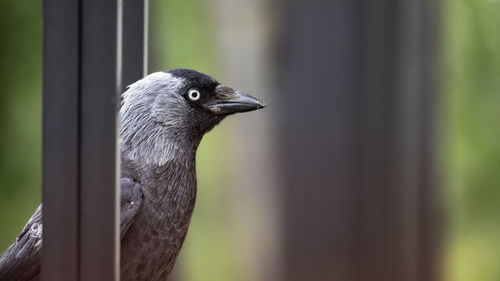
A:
[471,138]
[20,114]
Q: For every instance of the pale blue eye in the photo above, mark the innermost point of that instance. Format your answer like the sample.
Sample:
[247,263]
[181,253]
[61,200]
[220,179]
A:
[194,95]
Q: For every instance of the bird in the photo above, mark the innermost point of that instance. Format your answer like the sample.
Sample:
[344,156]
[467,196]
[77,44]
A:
[162,120]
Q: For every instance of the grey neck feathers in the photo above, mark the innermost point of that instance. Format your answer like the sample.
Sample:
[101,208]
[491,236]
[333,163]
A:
[155,145]
[152,122]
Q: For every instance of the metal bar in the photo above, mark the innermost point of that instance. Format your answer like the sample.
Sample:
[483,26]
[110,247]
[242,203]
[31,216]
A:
[320,74]
[99,158]
[60,140]
[355,210]
[135,33]
[397,118]
[80,157]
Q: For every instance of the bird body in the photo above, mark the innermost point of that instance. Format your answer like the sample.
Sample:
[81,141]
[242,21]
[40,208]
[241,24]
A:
[165,213]
[163,118]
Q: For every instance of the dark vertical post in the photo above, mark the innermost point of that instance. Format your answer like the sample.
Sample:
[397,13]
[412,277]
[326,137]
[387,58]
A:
[320,78]
[135,35]
[61,132]
[99,156]
[80,156]
[397,203]
[355,134]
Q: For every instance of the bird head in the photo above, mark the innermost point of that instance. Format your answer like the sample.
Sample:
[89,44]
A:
[168,112]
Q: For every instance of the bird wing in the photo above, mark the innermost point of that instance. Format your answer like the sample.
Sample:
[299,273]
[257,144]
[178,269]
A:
[21,261]
[131,201]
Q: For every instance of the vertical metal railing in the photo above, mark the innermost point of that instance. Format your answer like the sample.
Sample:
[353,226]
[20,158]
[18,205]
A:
[135,41]
[81,83]
[60,143]
[358,93]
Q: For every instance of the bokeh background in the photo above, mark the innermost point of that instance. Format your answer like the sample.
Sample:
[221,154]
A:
[236,231]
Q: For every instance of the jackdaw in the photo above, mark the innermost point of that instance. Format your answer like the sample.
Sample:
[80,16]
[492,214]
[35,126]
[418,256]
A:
[162,120]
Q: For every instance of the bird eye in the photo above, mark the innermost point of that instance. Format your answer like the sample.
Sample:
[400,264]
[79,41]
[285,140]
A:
[194,94]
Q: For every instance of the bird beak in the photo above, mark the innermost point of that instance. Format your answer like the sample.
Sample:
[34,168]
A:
[230,101]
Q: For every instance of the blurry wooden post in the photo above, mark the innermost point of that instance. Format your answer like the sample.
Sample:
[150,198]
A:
[356,84]
[82,75]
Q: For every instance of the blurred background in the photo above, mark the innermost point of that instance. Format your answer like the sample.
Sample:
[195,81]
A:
[377,158]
